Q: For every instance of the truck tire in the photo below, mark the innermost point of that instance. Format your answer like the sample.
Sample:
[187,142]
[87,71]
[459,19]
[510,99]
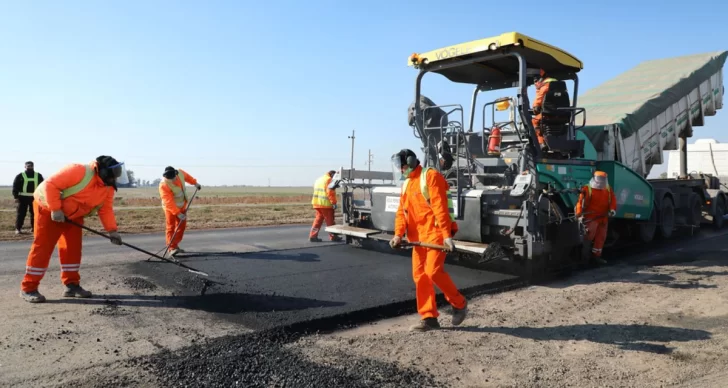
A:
[646,231]
[666,219]
[694,214]
[719,212]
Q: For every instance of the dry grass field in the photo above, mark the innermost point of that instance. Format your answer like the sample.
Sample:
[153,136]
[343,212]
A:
[139,210]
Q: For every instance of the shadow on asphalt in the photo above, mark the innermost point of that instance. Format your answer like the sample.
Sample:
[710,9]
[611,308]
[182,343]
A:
[301,257]
[627,337]
[224,303]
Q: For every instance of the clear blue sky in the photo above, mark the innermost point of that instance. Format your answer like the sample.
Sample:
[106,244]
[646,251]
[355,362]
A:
[241,92]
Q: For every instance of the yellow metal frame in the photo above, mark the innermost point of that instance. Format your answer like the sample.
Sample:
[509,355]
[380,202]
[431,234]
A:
[493,44]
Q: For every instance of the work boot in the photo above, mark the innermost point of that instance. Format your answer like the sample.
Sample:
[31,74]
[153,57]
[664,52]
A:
[600,261]
[458,315]
[32,297]
[75,290]
[314,239]
[173,252]
[180,250]
[426,324]
[17,231]
[335,238]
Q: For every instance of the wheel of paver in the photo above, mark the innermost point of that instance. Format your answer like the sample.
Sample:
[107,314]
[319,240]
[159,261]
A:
[666,219]
[646,231]
[695,214]
[719,212]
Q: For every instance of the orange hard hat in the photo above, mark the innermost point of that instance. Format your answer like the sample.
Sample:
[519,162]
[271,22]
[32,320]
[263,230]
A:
[600,173]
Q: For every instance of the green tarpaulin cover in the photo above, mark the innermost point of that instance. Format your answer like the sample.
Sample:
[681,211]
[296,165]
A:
[634,97]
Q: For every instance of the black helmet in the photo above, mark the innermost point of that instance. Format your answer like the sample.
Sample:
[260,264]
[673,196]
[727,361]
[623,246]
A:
[405,157]
[170,172]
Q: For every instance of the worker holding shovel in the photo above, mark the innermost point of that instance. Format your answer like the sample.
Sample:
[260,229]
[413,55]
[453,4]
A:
[74,192]
[423,214]
[173,192]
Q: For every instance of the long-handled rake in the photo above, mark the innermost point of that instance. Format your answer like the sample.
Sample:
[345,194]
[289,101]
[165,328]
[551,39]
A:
[190,269]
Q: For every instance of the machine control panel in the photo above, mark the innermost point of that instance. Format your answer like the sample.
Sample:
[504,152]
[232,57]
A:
[521,184]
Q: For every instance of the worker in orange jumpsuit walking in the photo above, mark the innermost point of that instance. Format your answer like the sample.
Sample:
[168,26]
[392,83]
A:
[427,220]
[324,203]
[542,87]
[173,192]
[72,193]
[596,202]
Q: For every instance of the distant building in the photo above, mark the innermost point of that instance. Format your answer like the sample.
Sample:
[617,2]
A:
[707,156]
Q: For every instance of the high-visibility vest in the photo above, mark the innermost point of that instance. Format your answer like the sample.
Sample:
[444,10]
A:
[319,198]
[426,191]
[180,193]
[40,192]
[587,198]
[27,180]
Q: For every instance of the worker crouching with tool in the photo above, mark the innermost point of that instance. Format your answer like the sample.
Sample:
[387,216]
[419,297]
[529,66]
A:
[72,193]
[173,192]
[423,215]
[595,204]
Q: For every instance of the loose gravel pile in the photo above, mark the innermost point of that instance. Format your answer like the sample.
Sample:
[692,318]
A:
[262,360]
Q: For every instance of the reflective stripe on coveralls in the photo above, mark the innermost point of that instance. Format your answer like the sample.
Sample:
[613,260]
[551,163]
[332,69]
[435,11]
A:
[27,180]
[419,220]
[180,193]
[426,192]
[320,198]
[40,192]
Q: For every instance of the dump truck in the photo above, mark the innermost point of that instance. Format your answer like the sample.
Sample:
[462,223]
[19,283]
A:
[515,202]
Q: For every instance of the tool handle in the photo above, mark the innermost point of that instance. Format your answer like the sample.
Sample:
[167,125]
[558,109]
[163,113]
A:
[425,245]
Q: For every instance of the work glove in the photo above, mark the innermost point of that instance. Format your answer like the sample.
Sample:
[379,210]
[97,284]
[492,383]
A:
[449,245]
[115,238]
[181,216]
[395,241]
[334,206]
[198,186]
[612,213]
[58,216]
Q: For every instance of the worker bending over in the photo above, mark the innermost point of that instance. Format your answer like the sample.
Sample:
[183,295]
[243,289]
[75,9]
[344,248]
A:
[24,186]
[424,217]
[74,192]
[173,192]
[596,202]
[324,203]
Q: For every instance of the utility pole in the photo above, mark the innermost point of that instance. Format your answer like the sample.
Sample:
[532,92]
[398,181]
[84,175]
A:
[369,162]
[351,170]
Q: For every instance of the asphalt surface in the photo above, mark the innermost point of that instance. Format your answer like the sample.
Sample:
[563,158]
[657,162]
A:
[273,276]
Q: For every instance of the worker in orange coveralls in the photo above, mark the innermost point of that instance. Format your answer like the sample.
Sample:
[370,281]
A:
[324,203]
[72,193]
[173,192]
[430,222]
[596,202]
[542,87]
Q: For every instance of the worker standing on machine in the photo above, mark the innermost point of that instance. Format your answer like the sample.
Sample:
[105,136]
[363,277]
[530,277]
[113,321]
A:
[324,203]
[423,215]
[74,192]
[596,202]
[173,192]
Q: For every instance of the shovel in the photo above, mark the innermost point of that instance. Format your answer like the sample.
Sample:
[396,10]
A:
[190,269]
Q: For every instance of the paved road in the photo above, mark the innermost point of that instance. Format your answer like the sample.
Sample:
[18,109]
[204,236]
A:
[273,275]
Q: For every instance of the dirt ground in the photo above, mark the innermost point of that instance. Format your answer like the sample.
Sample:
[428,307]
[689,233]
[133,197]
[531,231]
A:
[621,326]
[657,324]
